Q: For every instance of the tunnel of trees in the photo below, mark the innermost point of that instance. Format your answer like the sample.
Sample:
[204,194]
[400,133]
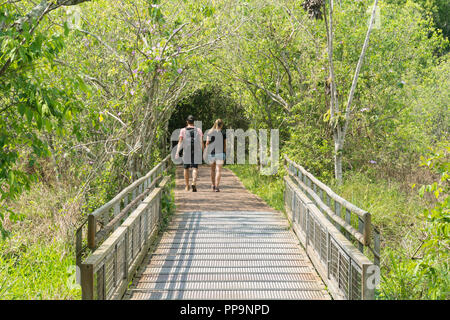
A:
[206,105]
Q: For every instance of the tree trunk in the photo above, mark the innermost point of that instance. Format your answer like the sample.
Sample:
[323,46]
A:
[339,129]
[337,157]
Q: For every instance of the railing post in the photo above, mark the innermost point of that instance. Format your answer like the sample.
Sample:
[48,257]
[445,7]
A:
[87,282]
[92,229]
[125,200]
[307,228]
[348,219]
[78,245]
[328,201]
[367,293]
[117,208]
[361,230]
[293,206]
[126,254]
[376,247]
[116,266]
[337,208]
[285,192]
[160,206]
[328,254]
[367,228]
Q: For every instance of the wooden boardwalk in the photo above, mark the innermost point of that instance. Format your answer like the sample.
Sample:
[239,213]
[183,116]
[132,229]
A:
[226,245]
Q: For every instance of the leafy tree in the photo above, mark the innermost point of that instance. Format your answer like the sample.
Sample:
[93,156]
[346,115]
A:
[35,98]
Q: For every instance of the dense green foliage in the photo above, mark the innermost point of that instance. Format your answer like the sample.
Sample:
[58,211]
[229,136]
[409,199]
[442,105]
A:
[36,96]
[90,91]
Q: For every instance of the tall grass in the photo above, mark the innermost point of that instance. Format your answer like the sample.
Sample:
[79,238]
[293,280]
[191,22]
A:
[37,259]
[270,188]
[37,271]
[397,214]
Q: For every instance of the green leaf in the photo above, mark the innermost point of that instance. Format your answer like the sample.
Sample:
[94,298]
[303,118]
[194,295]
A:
[21,108]
[422,191]
[29,115]
[66,29]
[38,121]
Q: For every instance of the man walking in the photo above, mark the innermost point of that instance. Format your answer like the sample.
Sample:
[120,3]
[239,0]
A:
[191,140]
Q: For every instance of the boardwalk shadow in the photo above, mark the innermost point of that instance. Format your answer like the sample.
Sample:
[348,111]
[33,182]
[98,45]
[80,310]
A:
[174,273]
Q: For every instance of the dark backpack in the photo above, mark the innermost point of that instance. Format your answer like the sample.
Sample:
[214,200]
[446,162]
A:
[191,140]
[192,136]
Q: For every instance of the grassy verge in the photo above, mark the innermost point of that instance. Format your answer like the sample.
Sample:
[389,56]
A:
[38,271]
[269,188]
[37,259]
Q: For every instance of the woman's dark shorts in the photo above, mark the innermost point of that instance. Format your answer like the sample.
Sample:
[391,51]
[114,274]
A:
[190,165]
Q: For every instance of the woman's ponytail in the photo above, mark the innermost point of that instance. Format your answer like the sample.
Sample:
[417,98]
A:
[218,124]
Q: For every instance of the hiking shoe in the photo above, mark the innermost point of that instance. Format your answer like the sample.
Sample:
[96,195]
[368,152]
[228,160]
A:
[186,188]
[216,190]
[213,187]
[194,188]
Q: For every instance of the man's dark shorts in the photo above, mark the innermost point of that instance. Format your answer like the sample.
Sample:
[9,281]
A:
[190,165]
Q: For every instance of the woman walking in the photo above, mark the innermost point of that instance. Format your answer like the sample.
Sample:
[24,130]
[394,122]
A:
[216,145]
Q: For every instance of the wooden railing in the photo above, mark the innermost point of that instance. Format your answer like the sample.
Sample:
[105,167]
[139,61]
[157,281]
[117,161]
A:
[118,235]
[334,233]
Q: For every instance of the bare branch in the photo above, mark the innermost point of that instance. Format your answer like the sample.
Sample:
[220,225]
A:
[358,68]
